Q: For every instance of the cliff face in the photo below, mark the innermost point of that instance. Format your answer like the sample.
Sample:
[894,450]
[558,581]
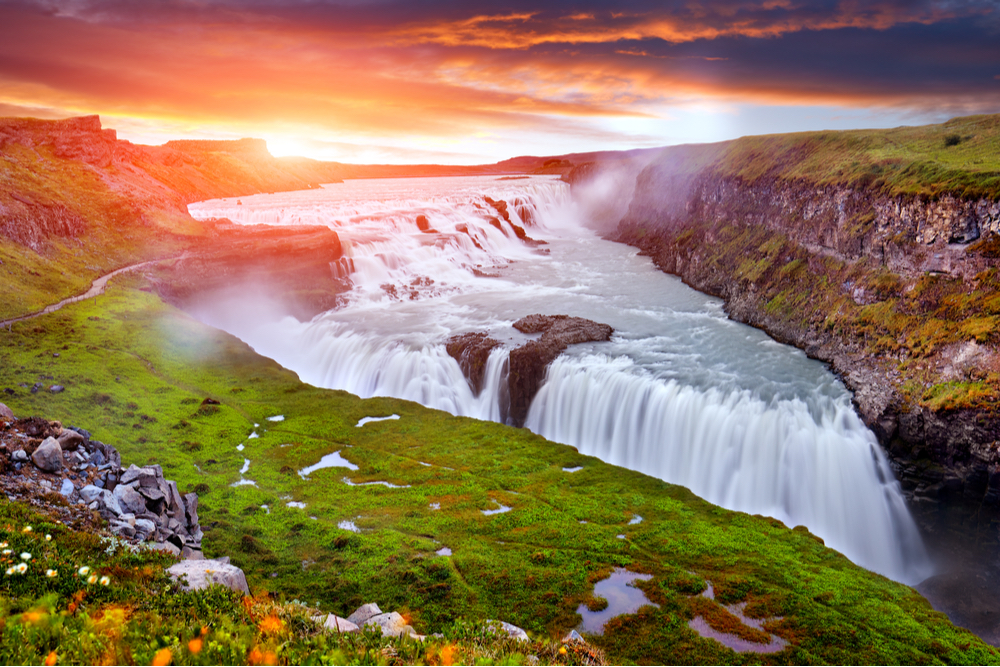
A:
[899,293]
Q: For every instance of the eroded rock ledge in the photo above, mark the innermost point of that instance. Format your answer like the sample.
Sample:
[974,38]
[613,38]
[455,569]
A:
[526,364]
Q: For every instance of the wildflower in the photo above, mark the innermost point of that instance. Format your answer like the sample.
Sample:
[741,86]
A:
[7,552]
[48,538]
[271,624]
[3,545]
[51,659]
[92,579]
[21,568]
[25,556]
[26,529]
[562,650]
[10,571]
[34,616]
[105,580]
[195,645]
[51,574]
[83,571]
[162,657]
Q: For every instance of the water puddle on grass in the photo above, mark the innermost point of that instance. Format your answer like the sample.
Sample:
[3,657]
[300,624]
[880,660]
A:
[348,482]
[500,509]
[276,418]
[635,519]
[738,644]
[347,525]
[435,506]
[365,420]
[296,505]
[252,436]
[443,551]
[334,460]
[622,597]
[244,482]
[239,447]
[246,467]
[574,469]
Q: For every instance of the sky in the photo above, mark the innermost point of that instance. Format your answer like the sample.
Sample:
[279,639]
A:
[468,82]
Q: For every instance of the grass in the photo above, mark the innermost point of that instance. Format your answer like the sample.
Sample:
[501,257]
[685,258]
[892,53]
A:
[136,372]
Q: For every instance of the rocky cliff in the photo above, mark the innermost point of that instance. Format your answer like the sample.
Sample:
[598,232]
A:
[896,288]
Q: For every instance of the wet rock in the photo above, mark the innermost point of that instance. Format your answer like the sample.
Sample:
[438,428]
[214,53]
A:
[195,575]
[363,613]
[527,363]
[472,351]
[48,456]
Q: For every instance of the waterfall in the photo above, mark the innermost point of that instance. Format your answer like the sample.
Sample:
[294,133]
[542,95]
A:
[681,393]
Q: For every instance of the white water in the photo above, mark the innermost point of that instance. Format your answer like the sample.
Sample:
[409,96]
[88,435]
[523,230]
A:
[680,392]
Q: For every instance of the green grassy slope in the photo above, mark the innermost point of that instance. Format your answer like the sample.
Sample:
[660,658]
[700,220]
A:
[136,372]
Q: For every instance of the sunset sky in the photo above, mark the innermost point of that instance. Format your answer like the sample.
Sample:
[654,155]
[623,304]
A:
[470,82]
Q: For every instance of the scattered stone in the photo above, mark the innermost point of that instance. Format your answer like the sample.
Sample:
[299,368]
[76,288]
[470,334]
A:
[5,413]
[338,624]
[573,636]
[168,547]
[195,575]
[67,488]
[48,456]
[90,493]
[510,630]
[20,456]
[392,624]
[57,389]
[129,499]
[363,613]
[70,440]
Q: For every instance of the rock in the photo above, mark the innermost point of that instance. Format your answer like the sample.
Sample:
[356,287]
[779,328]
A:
[90,493]
[168,547]
[70,440]
[48,456]
[123,529]
[144,528]
[150,493]
[195,575]
[191,508]
[57,389]
[188,553]
[510,630]
[392,624]
[527,363]
[67,488]
[20,456]
[338,624]
[471,351]
[573,636]
[363,613]
[5,413]
[109,501]
[129,499]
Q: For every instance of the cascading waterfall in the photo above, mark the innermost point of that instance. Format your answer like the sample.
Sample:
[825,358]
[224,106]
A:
[680,393]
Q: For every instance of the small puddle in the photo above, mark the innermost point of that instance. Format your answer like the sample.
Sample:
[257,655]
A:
[622,598]
[635,519]
[252,436]
[246,466]
[443,551]
[424,464]
[239,447]
[738,644]
[499,510]
[346,525]
[348,482]
[435,506]
[575,469]
[276,418]
[296,504]
[334,460]
[365,420]
[244,482]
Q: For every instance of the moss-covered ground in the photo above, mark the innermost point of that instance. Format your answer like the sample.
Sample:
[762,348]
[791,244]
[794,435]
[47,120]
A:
[137,371]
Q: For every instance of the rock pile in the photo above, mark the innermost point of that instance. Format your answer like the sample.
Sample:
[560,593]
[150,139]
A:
[138,503]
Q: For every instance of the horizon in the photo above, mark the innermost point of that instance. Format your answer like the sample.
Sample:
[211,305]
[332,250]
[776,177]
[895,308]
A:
[388,83]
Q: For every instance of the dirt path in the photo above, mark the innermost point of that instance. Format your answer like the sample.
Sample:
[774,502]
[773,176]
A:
[96,288]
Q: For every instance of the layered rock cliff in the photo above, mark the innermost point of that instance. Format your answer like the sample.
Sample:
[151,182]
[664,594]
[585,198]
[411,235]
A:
[897,290]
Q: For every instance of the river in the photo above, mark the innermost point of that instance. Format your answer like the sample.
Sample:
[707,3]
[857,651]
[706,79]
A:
[680,392]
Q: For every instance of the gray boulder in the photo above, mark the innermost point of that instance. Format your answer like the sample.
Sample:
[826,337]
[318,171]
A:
[110,502]
[48,456]
[144,528]
[363,613]
[20,456]
[392,624]
[5,413]
[195,575]
[338,624]
[90,493]
[129,499]
[510,630]
[67,488]
[70,440]
[573,636]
